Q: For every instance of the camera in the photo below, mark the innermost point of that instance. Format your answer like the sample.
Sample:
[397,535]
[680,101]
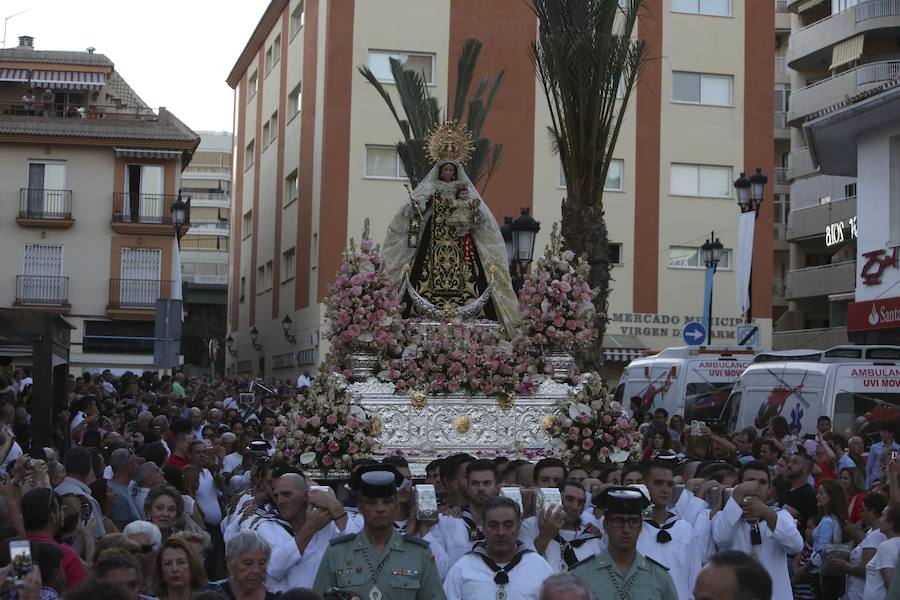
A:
[86,512]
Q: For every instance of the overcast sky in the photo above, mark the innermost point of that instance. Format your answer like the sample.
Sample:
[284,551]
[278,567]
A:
[174,53]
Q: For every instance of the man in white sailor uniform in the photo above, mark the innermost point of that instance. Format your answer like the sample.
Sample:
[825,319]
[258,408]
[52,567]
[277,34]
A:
[751,524]
[500,567]
[298,530]
[667,538]
[458,535]
[564,536]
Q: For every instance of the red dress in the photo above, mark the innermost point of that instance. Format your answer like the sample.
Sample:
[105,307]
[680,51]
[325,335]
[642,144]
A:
[825,472]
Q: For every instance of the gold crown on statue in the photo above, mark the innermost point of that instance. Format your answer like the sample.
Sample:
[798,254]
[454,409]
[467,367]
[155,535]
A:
[449,141]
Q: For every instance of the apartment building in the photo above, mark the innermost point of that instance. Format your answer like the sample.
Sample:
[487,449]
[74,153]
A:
[205,248]
[314,157]
[838,49]
[88,173]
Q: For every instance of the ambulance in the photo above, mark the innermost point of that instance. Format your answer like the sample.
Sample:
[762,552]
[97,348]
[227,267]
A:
[856,386]
[693,381]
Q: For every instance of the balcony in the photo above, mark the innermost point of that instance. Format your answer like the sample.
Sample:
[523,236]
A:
[780,125]
[74,113]
[136,298]
[43,292]
[778,291]
[811,282]
[781,6]
[781,176]
[811,221]
[45,208]
[831,90]
[800,164]
[210,199]
[137,213]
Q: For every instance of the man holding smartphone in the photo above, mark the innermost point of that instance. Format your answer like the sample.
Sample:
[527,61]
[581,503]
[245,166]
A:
[42,518]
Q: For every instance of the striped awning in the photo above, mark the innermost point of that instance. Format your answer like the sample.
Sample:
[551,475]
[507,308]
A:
[56,80]
[147,153]
[808,5]
[622,348]
[847,51]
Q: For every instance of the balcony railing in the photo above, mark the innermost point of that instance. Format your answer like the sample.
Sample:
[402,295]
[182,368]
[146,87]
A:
[135,207]
[781,174]
[779,231]
[781,67]
[778,287]
[874,9]
[781,6]
[42,290]
[74,111]
[39,203]
[138,293]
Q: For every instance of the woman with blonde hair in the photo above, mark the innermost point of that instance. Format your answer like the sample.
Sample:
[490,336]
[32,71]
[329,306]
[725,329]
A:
[178,571]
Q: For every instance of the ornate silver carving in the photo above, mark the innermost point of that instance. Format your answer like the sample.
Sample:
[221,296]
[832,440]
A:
[362,364]
[372,386]
[562,361]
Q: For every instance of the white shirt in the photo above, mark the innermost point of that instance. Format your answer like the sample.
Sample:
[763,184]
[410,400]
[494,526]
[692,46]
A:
[885,558]
[303,381]
[208,498]
[680,555]
[553,553]
[731,532]
[856,585]
[15,451]
[231,462]
[471,579]
[288,568]
[453,535]
[79,417]
[25,382]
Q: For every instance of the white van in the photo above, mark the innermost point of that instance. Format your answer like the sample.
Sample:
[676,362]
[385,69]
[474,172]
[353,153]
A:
[856,386]
[693,381]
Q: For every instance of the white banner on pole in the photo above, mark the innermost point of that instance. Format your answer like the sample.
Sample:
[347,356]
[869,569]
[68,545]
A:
[176,272]
[744,260]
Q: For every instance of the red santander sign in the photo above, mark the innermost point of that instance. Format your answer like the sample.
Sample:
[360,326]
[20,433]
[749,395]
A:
[875,314]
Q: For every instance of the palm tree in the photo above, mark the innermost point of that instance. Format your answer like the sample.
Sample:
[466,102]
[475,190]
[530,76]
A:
[422,113]
[587,61]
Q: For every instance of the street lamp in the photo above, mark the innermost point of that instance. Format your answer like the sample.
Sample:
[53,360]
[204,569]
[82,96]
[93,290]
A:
[286,325]
[519,235]
[711,253]
[750,195]
[181,215]
[229,343]
[254,338]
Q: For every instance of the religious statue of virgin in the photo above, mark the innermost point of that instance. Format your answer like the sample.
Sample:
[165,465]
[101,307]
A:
[444,249]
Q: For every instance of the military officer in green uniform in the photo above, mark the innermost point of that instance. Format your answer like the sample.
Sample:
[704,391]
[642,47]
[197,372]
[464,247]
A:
[379,563]
[620,572]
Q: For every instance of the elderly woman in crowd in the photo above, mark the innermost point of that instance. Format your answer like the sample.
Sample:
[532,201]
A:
[148,537]
[164,508]
[247,556]
[178,571]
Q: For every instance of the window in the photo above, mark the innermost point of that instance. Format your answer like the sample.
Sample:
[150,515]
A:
[613,176]
[714,8]
[46,196]
[268,276]
[276,50]
[261,279]
[293,104]
[782,96]
[291,189]
[249,157]
[42,282]
[243,289]
[270,130]
[615,253]
[850,190]
[265,135]
[287,265]
[688,257]
[297,18]
[701,88]
[247,225]
[380,64]
[382,162]
[252,84]
[268,61]
[700,180]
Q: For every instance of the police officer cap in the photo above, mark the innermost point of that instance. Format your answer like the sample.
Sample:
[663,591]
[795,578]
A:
[622,501]
[376,481]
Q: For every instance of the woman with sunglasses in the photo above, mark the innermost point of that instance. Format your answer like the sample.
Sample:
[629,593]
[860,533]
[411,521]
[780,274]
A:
[148,537]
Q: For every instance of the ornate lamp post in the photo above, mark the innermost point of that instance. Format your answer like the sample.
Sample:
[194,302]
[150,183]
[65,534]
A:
[181,216]
[286,326]
[254,338]
[229,344]
[711,254]
[751,191]
[522,233]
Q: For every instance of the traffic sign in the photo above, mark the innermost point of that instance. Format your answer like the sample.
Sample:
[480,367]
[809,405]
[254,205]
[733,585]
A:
[748,335]
[694,333]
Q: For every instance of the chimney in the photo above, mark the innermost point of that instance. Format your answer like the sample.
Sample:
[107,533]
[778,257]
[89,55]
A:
[26,42]
[90,49]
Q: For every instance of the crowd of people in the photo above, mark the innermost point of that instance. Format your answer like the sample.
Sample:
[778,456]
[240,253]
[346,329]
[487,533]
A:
[171,488]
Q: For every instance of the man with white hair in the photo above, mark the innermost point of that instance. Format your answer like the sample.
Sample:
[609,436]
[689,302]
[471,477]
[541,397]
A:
[233,456]
[565,586]
[197,422]
[148,536]
[148,476]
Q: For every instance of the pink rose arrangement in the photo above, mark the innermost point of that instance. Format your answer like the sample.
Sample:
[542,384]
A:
[556,303]
[362,309]
[326,429]
[591,430]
